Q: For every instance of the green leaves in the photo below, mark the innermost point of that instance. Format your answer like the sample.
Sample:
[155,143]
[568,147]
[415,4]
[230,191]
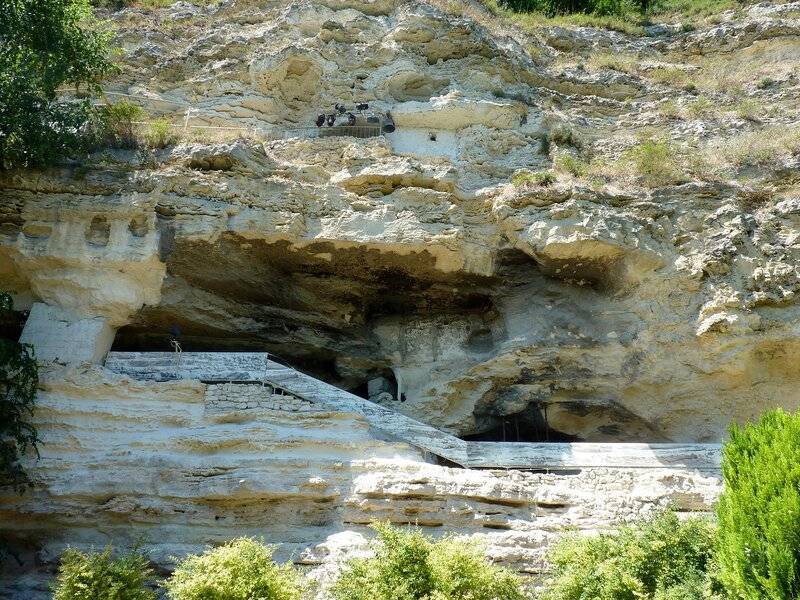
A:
[19,380]
[241,569]
[759,510]
[411,566]
[597,7]
[47,44]
[663,558]
[101,576]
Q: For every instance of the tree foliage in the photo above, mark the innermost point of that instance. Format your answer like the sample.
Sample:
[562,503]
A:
[102,576]
[410,566]
[596,7]
[241,569]
[46,44]
[662,558]
[19,379]
[759,510]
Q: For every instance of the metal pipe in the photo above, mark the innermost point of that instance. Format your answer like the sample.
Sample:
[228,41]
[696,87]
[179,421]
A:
[388,123]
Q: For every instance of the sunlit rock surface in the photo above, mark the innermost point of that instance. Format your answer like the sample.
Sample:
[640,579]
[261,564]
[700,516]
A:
[582,310]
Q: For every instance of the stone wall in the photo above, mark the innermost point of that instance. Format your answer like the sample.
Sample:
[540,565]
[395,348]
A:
[226,397]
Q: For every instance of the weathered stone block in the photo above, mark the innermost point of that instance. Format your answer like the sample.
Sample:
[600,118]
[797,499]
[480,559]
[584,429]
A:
[58,335]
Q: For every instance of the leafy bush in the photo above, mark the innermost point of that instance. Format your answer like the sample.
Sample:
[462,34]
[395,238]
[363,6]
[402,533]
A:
[750,110]
[662,558]
[614,61]
[671,76]
[559,7]
[670,109]
[539,178]
[47,44]
[241,569]
[161,134]
[101,576]
[759,510]
[655,161]
[410,566]
[19,380]
[117,125]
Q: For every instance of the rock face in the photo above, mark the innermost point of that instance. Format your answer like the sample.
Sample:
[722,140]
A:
[179,465]
[625,301]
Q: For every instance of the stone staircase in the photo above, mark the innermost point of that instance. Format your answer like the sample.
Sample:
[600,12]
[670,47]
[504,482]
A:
[249,367]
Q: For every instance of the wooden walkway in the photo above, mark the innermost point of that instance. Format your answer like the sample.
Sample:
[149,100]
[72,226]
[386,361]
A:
[242,367]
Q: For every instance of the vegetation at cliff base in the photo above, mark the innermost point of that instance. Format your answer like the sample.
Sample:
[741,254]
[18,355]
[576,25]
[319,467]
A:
[103,576]
[19,380]
[410,566]
[759,510]
[47,45]
[662,558]
[241,569]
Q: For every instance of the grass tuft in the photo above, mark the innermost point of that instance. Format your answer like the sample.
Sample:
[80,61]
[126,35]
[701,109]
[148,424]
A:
[533,178]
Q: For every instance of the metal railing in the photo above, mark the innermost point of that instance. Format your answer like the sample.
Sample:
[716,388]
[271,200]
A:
[356,131]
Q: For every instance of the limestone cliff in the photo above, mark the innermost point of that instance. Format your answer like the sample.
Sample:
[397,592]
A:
[423,265]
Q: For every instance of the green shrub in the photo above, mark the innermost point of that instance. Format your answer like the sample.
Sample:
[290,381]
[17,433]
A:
[759,510]
[673,76]
[765,82]
[595,7]
[101,576]
[118,124]
[539,178]
[46,46]
[763,148]
[655,161]
[241,569]
[670,109]
[19,381]
[662,558]
[161,134]
[624,63]
[702,107]
[410,566]
[750,110]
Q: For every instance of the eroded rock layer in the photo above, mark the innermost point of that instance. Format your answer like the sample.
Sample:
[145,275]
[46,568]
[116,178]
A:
[180,465]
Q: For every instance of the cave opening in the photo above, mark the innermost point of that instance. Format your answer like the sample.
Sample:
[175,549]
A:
[529,425]
[321,308]
[347,315]
[11,324]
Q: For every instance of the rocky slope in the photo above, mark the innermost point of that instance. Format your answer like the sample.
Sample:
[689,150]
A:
[644,295]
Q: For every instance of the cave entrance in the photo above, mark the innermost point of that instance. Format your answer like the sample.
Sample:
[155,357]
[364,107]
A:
[530,425]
